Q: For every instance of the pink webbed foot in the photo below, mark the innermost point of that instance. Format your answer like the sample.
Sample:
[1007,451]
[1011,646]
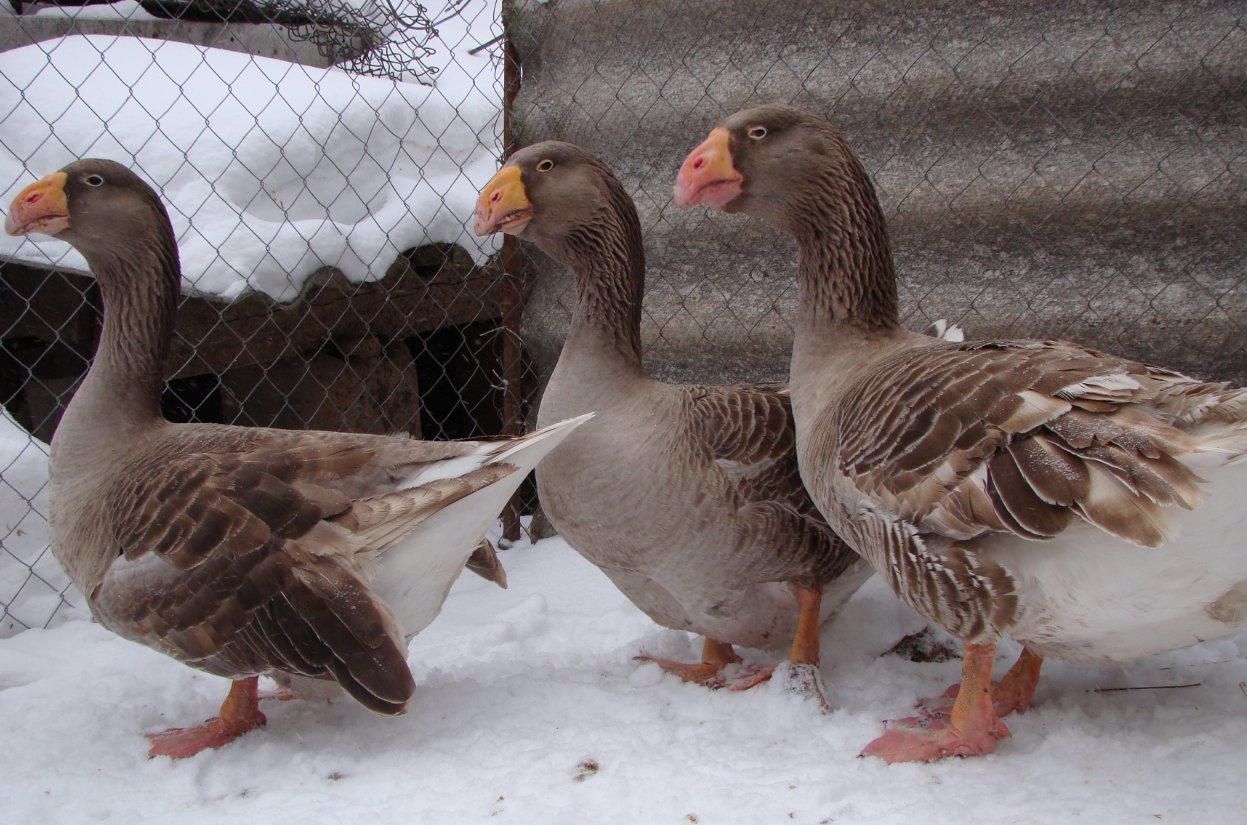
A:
[746,677]
[971,728]
[712,670]
[714,674]
[240,713]
[905,742]
[180,743]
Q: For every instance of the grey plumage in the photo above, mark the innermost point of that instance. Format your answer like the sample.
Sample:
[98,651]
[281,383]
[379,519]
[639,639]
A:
[1027,488]
[687,496]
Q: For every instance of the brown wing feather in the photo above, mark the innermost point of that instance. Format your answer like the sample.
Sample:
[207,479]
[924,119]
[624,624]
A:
[228,565]
[750,434]
[1019,437]
[745,425]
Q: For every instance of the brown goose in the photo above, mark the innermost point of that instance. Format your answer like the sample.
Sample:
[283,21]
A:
[239,550]
[1000,487]
[686,496]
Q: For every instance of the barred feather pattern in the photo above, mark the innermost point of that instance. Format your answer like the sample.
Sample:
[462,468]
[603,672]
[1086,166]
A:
[931,582]
[943,462]
[1007,437]
[237,550]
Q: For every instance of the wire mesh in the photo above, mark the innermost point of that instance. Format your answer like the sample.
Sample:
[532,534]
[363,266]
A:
[1056,169]
[318,159]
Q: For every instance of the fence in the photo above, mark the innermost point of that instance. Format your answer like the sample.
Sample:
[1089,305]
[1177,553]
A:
[1053,169]
[331,281]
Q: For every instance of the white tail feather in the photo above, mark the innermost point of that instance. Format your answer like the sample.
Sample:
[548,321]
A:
[415,574]
[946,331]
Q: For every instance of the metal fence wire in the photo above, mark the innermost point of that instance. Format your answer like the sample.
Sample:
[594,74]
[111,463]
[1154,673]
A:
[330,280]
[1056,169]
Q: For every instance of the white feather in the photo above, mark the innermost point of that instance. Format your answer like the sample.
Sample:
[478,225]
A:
[1087,595]
[415,575]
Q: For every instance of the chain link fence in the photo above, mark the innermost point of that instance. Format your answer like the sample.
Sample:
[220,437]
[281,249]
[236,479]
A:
[319,159]
[1059,169]
[1055,169]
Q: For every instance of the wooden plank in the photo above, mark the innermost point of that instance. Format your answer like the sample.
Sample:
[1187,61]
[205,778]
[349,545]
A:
[434,287]
[48,306]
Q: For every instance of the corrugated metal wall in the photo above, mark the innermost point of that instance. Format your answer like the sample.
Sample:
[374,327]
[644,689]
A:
[1055,169]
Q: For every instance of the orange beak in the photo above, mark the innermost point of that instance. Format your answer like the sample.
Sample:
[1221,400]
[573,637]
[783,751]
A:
[40,207]
[707,175]
[503,205]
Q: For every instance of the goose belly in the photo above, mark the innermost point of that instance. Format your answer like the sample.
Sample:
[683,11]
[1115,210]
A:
[679,560]
[633,503]
[1086,595]
[759,614]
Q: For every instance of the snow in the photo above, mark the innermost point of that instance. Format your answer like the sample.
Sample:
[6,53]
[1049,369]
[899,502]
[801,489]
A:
[269,169]
[124,10]
[530,708]
[30,578]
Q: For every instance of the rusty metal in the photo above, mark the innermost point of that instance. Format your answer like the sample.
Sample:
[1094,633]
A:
[512,302]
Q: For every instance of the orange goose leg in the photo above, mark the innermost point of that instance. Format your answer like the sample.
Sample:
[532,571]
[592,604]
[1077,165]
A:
[240,712]
[1012,694]
[973,727]
[803,657]
[715,656]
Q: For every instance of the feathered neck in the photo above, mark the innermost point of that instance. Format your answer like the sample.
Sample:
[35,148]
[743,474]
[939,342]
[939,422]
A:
[140,279]
[845,269]
[606,255]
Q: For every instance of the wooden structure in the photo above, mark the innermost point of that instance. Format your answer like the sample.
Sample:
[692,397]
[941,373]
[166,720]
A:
[341,356]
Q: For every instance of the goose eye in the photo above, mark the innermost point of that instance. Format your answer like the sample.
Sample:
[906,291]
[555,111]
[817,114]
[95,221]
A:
[757,132]
[545,165]
[93,180]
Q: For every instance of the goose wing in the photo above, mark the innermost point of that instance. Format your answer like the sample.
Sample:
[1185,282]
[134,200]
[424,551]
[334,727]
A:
[749,434]
[245,562]
[941,445]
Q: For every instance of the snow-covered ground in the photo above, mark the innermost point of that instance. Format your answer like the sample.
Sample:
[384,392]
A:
[530,709]
[269,169]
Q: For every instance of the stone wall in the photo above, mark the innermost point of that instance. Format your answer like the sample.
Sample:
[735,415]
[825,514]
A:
[1057,169]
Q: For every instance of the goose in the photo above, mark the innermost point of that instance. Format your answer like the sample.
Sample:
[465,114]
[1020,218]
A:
[686,496]
[1083,504]
[243,551]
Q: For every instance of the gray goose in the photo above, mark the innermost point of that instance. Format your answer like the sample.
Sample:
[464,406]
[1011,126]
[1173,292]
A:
[1000,487]
[243,551]
[686,496]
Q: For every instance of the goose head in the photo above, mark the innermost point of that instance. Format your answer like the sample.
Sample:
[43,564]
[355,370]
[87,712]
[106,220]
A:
[99,207]
[777,163]
[552,194]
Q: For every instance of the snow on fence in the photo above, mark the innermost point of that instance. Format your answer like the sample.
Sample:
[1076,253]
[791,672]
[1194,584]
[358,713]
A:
[1055,168]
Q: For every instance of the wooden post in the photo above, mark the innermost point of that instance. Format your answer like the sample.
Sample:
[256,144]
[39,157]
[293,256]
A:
[512,298]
